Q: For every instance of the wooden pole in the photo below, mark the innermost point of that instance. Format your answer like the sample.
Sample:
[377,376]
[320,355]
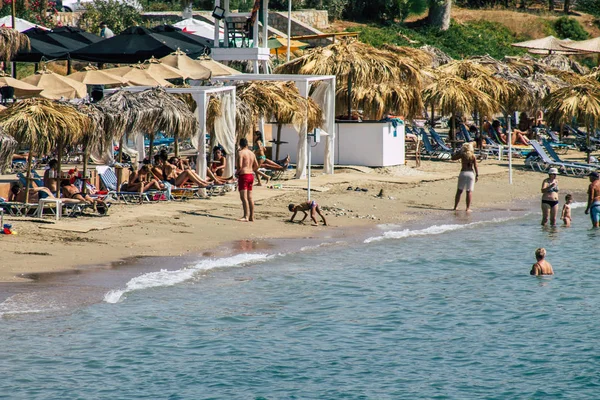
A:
[278,141]
[150,148]
[176,145]
[85,164]
[121,149]
[28,178]
[58,177]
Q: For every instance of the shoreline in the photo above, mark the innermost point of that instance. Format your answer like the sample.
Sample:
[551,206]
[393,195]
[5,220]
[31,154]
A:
[201,228]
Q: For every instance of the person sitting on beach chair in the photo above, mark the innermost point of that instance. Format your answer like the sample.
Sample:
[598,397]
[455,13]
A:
[142,181]
[17,193]
[176,177]
[70,191]
[263,162]
[311,206]
[521,134]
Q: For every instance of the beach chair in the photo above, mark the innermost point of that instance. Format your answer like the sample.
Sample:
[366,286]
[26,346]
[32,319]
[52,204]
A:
[430,151]
[466,135]
[556,143]
[545,162]
[439,142]
[555,157]
[109,180]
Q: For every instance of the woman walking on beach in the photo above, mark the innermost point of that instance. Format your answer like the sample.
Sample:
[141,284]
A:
[469,174]
[550,198]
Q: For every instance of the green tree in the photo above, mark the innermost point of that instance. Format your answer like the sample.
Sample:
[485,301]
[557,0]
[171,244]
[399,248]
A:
[117,15]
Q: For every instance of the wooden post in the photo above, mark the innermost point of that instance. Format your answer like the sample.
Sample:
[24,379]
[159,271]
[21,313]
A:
[278,143]
[176,145]
[85,162]
[121,149]
[150,148]
[58,177]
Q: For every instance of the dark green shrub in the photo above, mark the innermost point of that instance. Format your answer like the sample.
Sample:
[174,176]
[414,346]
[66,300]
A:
[161,6]
[588,6]
[569,28]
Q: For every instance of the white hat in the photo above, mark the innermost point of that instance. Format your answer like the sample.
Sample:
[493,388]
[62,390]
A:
[552,171]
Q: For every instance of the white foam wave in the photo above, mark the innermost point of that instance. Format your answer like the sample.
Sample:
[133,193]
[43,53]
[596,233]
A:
[321,245]
[578,204]
[433,230]
[26,303]
[164,278]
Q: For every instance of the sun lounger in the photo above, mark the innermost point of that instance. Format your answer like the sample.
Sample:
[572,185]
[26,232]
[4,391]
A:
[109,180]
[431,151]
[545,162]
[555,157]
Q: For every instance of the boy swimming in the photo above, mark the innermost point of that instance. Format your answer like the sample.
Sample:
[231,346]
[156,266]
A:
[306,206]
[566,211]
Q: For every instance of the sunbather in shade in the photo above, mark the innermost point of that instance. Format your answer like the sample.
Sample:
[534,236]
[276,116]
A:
[17,193]
[171,174]
[142,181]
[70,191]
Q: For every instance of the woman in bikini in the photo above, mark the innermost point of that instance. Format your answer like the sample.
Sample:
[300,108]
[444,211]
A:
[142,181]
[217,167]
[550,198]
[263,162]
[469,174]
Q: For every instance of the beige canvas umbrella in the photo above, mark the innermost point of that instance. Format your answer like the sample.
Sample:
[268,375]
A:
[94,76]
[182,62]
[22,89]
[138,75]
[216,68]
[547,45]
[56,86]
[157,68]
[589,46]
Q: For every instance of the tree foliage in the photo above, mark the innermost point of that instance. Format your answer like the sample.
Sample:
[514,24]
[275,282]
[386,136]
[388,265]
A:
[117,15]
[35,11]
[569,28]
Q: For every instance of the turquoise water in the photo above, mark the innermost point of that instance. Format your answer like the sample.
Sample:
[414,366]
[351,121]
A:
[448,312]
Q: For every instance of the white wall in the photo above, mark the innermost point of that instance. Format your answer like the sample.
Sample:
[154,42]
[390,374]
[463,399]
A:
[372,144]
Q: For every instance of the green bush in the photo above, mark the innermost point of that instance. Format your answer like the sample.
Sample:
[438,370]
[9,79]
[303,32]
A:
[460,41]
[162,6]
[569,28]
[588,6]
[117,15]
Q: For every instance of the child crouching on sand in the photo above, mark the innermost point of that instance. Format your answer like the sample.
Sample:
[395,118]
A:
[566,211]
[306,206]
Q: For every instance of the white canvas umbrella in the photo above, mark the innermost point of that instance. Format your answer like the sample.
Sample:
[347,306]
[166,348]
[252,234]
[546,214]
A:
[21,24]
[547,45]
[200,28]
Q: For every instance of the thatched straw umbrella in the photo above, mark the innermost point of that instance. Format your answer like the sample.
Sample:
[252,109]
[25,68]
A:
[173,117]
[93,136]
[42,125]
[454,96]
[579,101]
[11,42]
[357,66]
[8,145]
[420,57]
[439,57]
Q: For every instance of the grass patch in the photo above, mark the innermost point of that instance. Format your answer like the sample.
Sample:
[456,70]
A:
[460,41]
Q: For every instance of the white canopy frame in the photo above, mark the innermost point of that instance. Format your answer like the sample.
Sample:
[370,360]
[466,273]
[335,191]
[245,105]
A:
[303,83]
[200,95]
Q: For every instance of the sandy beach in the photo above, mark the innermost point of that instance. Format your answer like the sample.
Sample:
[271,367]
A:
[206,227]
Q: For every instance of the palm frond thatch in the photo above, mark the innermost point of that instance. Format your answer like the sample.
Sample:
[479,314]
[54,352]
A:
[563,63]
[43,124]
[359,65]
[578,101]
[8,145]
[126,113]
[439,57]
[174,118]
[420,57]
[11,42]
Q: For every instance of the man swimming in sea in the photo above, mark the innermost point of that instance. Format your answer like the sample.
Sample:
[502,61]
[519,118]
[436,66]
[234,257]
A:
[304,207]
[541,267]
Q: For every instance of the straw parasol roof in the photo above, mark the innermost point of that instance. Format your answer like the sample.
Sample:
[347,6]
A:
[588,46]
[549,44]
[577,101]
[439,57]
[8,145]
[175,117]
[139,75]
[455,96]
[182,62]
[11,41]
[359,67]
[94,76]
[22,89]
[280,101]
[216,68]
[56,86]
[126,113]
[421,57]
[563,63]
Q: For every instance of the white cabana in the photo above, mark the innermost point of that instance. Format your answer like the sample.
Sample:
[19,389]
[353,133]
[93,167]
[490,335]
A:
[324,96]
[20,24]
[200,28]
[224,125]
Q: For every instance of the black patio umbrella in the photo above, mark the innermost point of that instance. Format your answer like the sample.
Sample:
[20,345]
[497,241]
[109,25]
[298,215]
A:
[46,46]
[176,33]
[133,45]
[76,34]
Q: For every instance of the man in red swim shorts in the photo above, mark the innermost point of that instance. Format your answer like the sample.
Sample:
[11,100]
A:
[246,166]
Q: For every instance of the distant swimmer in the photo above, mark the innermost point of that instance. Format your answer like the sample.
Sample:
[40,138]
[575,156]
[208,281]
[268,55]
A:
[593,204]
[566,211]
[304,207]
[541,267]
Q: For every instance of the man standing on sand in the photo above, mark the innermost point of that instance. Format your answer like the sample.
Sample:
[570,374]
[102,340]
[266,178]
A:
[247,165]
[593,203]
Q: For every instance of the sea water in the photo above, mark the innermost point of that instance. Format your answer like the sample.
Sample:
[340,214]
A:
[441,312]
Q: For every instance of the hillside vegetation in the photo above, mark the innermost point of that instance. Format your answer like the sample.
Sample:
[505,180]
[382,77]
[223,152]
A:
[472,32]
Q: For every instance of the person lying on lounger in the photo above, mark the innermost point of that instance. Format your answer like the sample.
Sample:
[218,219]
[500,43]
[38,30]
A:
[70,191]
[17,193]
[176,177]
[142,181]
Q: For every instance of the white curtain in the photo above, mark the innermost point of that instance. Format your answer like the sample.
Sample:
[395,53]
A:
[323,97]
[225,131]
[138,144]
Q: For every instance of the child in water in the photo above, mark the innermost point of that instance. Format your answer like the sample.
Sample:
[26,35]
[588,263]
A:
[566,211]
[304,207]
